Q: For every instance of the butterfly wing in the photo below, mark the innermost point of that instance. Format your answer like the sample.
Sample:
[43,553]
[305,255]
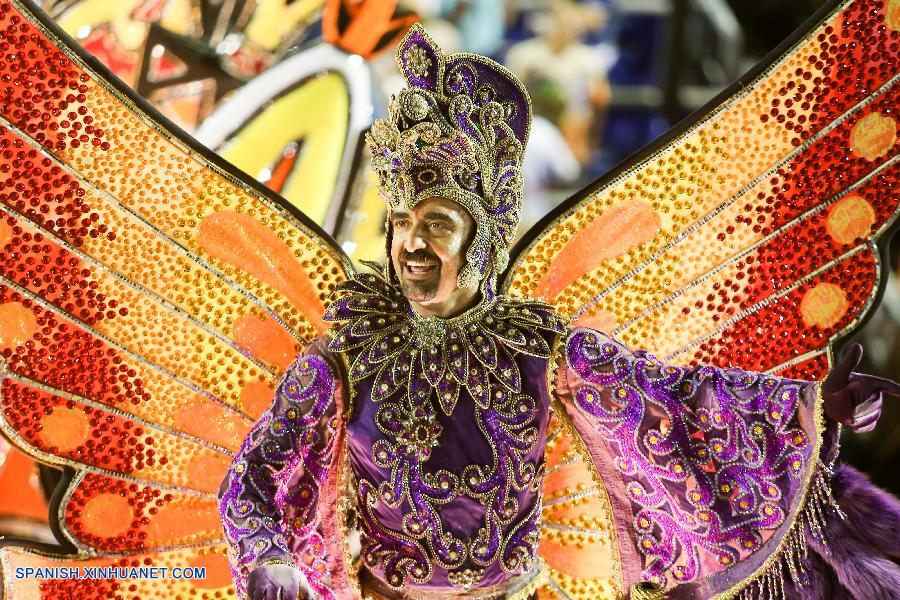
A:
[151,295]
[577,536]
[749,235]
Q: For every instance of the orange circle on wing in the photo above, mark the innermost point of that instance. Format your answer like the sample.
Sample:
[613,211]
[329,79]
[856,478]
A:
[823,305]
[892,14]
[873,136]
[265,339]
[207,472]
[211,421]
[107,515]
[850,219]
[256,397]
[17,325]
[66,428]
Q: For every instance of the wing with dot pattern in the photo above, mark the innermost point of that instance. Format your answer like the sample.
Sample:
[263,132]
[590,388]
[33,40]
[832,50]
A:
[150,297]
[749,235]
[578,540]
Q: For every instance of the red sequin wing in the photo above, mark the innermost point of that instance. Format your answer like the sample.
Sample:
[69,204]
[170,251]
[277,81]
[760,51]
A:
[749,234]
[150,297]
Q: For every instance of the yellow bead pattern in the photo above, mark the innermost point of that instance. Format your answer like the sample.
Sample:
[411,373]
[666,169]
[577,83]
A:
[577,533]
[655,255]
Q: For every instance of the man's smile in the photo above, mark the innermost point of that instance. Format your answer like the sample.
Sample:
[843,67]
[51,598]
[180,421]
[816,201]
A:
[418,265]
[419,269]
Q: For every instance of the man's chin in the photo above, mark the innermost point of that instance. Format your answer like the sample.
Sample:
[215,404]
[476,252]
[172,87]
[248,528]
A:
[416,291]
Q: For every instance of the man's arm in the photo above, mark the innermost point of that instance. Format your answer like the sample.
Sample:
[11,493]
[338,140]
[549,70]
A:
[709,463]
[269,498]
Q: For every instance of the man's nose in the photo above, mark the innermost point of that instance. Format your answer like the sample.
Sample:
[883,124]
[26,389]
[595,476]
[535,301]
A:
[415,240]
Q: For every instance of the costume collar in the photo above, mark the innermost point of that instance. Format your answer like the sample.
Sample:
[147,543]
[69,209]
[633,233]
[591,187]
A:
[476,349]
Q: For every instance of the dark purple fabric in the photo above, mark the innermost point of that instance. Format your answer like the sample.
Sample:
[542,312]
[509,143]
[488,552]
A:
[856,549]
[462,444]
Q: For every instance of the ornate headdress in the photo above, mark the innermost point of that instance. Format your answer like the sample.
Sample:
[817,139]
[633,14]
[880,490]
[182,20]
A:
[458,131]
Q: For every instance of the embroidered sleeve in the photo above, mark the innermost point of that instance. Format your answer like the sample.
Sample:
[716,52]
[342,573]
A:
[715,464]
[269,498]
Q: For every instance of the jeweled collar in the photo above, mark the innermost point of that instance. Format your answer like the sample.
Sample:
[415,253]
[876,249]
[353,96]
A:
[476,349]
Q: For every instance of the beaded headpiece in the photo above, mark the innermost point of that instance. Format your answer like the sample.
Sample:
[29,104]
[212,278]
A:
[458,131]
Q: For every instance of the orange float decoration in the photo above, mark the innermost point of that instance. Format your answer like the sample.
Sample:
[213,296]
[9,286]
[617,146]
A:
[365,27]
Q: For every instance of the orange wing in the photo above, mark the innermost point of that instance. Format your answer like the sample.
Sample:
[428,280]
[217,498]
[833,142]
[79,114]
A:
[749,235]
[150,297]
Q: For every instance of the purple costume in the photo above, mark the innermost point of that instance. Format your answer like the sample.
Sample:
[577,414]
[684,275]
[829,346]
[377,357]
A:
[435,432]
[708,471]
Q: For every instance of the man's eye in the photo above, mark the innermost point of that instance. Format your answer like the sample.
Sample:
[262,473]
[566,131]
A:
[400,223]
[437,226]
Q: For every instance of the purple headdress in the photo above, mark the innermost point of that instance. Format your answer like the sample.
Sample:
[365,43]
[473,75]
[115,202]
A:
[458,131]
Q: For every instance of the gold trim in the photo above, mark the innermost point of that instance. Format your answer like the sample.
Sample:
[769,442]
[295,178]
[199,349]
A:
[343,506]
[538,580]
[272,561]
[646,591]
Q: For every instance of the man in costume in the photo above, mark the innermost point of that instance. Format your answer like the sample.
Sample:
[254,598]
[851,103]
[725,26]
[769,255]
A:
[433,395]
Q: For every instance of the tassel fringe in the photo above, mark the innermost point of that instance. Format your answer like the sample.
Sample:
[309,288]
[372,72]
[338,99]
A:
[791,557]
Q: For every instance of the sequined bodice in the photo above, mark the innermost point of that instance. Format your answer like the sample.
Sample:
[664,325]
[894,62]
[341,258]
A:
[447,435]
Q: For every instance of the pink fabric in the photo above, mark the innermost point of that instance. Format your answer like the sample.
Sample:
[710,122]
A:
[332,492]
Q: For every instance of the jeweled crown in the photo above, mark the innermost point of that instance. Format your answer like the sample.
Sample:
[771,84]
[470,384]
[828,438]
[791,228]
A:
[458,131]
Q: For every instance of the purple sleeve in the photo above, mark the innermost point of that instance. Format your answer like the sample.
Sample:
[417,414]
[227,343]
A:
[269,498]
[712,467]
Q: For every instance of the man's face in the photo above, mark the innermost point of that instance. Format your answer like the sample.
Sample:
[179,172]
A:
[428,251]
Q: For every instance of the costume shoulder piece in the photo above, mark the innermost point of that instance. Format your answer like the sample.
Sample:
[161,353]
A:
[383,336]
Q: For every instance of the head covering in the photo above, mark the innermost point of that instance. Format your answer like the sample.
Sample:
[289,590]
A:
[458,131]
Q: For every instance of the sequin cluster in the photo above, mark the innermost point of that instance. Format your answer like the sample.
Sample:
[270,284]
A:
[138,345]
[748,238]
[711,458]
